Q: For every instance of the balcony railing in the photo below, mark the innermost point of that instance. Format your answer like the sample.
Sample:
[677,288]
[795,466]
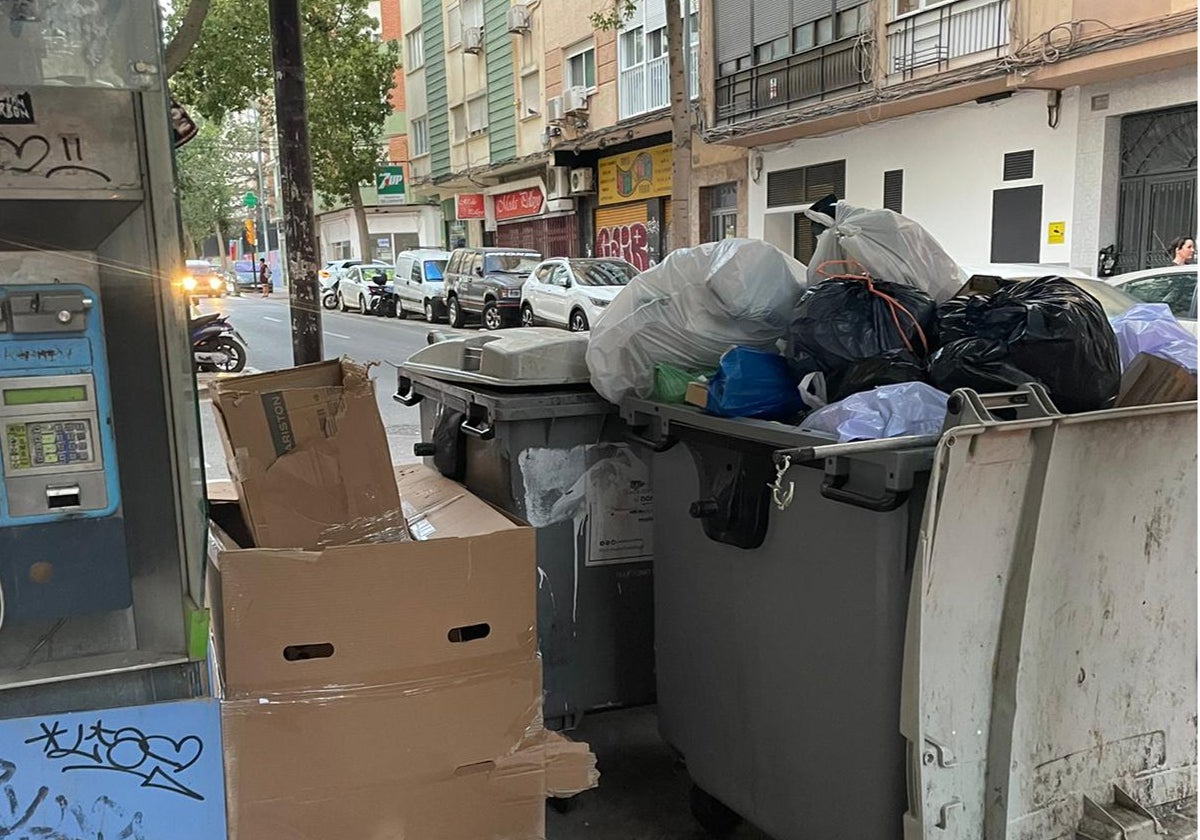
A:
[937,37]
[832,70]
[647,87]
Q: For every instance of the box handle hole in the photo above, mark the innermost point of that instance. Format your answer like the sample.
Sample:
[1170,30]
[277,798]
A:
[298,653]
[469,633]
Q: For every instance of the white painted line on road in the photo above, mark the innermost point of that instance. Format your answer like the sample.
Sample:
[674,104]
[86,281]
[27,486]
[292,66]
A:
[337,335]
[269,318]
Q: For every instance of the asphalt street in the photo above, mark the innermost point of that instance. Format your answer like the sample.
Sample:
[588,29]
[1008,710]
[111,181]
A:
[266,327]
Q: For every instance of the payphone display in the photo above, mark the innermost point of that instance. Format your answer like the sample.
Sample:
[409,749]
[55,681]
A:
[63,536]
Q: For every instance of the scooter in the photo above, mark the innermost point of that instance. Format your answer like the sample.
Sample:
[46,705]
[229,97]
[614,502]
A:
[216,345]
[329,294]
[383,299]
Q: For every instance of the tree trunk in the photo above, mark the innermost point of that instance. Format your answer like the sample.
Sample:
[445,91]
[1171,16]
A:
[185,37]
[224,250]
[366,254]
[681,131]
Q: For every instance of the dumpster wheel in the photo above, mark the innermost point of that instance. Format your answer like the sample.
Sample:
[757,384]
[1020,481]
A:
[713,815]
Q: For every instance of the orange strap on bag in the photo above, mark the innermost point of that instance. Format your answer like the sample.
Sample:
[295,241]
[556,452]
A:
[894,306]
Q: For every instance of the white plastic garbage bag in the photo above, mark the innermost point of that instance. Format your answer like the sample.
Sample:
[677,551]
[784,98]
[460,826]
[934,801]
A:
[908,408]
[889,246]
[1151,328]
[691,308]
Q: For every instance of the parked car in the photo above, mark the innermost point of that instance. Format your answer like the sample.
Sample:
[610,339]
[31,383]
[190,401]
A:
[202,279]
[354,285]
[245,273]
[419,283]
[572,293]
[486,283]
[1113,300]
[1174,285]
[334,269]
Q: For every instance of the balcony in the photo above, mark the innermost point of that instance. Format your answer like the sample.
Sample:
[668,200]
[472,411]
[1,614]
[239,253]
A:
[947,36]
[814,75]
[645,88]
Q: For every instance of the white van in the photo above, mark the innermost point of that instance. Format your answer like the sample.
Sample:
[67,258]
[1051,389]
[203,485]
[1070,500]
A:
[418,283]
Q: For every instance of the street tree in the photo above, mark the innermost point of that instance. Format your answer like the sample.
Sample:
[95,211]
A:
[211,171]
[348,76]
[612,18]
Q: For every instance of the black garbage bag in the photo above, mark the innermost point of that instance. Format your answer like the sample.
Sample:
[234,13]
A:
[1046,330]
[848,330]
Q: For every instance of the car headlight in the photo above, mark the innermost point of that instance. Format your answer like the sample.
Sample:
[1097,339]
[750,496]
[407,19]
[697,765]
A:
[214,282]
[599,301]
[188,283]
[512,293]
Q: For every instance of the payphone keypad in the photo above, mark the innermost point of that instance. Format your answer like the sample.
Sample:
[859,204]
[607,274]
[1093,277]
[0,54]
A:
[50,443]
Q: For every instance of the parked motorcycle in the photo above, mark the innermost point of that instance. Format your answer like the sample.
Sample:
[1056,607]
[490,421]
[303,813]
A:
[383,299]
[216,345]
[329,294]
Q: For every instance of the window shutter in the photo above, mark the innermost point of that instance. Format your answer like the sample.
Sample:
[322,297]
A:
[785,187]
[805,11]
[893,190]
[770,20]
[656,14]
[732,30]
[1018,165]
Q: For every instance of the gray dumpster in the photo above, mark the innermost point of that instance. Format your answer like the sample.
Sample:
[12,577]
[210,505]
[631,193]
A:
[556,457]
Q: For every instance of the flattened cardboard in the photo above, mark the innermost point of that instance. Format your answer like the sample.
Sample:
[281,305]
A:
[307,451]
[1150,380]
[696,394]
[408,729]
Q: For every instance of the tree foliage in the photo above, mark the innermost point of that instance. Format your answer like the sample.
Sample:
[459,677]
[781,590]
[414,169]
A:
[210,169]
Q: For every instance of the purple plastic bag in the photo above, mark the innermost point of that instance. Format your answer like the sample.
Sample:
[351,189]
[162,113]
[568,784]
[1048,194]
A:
[1151,328]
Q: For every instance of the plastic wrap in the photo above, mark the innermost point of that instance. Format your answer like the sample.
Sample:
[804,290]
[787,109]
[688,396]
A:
[671,383]
[691,308]
[1151,328]
[889,246]
[909,408]
[753,383]
[1047,330]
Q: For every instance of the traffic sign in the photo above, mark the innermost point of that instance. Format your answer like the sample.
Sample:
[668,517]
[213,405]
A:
[250,200]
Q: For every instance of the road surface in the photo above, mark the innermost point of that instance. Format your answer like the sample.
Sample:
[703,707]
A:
[266,327]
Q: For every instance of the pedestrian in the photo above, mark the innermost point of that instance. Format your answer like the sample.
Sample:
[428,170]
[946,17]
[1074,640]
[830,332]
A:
[264,277]
[1182,250]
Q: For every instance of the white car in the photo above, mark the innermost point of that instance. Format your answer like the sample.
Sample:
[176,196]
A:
[1114,301]
[572,292]
[1174,285]
[355,284]
[418,285]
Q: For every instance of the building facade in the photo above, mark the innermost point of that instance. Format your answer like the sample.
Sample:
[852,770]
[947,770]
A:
[1013,130]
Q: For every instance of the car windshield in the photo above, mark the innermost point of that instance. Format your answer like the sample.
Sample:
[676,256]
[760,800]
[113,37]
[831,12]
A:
[1114,301]
[602,272]
[510,263]
[434,269]
[199,269]
[373,275]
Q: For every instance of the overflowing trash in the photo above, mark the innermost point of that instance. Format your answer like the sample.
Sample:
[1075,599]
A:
[671,383]
[691,308]
[1151,328]
[1046,330]
[907,408]
[753,383]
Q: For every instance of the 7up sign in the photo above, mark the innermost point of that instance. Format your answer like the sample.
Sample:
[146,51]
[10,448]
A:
[389,184]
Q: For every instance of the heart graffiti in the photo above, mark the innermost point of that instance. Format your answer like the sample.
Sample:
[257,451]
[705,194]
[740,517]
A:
[23,157]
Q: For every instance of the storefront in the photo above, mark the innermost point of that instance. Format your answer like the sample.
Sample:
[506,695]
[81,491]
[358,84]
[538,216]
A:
[521,222]
[634,210]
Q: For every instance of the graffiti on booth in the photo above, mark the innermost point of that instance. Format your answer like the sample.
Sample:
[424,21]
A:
[625,242]
[59,817]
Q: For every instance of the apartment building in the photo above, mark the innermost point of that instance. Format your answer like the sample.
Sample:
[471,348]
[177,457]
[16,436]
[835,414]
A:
[533,129]
[1014,130]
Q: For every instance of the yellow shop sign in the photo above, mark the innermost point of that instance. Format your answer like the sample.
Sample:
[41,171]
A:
[645,173]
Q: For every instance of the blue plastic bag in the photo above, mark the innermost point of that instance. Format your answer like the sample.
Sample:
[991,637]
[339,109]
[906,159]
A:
[1151,328]
[753,383]
[909,408]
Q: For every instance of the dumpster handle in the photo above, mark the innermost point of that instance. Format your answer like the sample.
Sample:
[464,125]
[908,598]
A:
[481,432]
[653,445]
[832,488]
[409,397]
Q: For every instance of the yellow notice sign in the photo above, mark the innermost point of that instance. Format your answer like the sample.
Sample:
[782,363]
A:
[1056,233]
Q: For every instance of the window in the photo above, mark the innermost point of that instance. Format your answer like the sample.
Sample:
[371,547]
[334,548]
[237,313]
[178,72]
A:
[656,43]
[1175,290]
[414,49]
[805,184]
[721,204]
[472,13]
[414,272]
[434,270]
[458,119]
[904,7]
[771,51]
[418,132]
[477,115]
[852,21]
[825,30]
[581,68]
[531,95]
[893,190]
[454,25]
[804,37]
[632,48]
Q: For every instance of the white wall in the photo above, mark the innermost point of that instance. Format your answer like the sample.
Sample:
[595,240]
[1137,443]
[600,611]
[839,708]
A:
[1098,163]
[952,160]
[423,220]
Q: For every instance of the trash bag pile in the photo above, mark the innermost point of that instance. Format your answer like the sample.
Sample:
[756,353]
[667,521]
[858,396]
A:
[868,340]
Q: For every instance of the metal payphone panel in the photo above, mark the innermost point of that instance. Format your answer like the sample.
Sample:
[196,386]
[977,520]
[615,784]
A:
[62,544]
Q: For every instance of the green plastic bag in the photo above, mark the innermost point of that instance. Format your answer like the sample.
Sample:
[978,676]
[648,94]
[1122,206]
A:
[670,383]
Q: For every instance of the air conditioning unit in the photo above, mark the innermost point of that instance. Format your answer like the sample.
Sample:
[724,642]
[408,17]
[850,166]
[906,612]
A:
[583,181]
[575,100]
[559,181]
[554,110]
[519,19]
[473,39]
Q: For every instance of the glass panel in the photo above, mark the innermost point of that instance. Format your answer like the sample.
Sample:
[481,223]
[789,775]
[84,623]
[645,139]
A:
[804,37]
[434,269]
[903,7]
[825,30]
[632,46]
[656,43]
[848,23]
[109,45]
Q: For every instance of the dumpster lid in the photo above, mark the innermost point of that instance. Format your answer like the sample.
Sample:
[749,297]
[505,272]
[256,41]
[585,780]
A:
[520,358]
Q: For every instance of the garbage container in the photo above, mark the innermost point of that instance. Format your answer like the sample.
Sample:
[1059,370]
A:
[779,635]
[557,458]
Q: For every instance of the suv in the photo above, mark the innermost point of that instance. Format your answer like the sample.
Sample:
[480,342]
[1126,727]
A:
[486,283]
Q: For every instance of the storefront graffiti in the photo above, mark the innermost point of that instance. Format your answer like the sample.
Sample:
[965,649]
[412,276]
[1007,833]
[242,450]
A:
[626,242]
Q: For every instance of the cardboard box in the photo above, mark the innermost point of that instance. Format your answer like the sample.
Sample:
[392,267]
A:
[307,452]
[387,690]
[697,394]
[1150,380]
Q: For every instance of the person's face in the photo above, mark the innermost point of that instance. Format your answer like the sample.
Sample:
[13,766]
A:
[1187,250]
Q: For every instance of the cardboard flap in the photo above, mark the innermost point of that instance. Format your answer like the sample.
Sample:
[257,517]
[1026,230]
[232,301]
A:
[569,766]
